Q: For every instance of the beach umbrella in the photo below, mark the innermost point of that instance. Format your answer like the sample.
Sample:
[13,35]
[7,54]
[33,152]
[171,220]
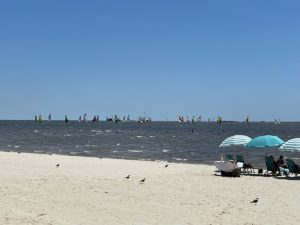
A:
[236,140]
[265,141]
[291,145]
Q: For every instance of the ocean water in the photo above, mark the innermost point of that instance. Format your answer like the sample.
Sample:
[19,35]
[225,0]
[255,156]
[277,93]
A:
[166,141]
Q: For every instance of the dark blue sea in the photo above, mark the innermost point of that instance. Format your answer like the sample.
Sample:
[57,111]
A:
[167,141]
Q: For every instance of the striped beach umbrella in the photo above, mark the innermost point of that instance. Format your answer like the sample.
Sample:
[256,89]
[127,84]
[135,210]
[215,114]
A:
[265,141]
[291,145]
[236,140]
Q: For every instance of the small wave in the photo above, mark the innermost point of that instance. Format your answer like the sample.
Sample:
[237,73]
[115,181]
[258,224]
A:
[75,153]
[165,150]
[152,136]
[38,151]
[17,146]
[174,136]
[77,146]
[139,136]
[87,151]
[107,131]
[115,151]
[118,144]
[67,135]
[97,131]
[178,159]
[36,131]
[135,151]
[8,145]
[87,145]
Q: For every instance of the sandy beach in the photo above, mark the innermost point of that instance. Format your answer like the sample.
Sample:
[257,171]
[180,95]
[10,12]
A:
[92,191]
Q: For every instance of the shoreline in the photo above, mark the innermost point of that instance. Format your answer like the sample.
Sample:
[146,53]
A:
[117,158]
[87,190]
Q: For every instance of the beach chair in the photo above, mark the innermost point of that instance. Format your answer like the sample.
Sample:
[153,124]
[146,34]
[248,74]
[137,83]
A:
[246,167]
[270,166]
[293,167]
[229,157]
[240,158]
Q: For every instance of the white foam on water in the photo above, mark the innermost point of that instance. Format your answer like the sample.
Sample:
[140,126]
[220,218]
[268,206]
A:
[87,151]
[115,151]
[17,146]
[74,153]
[36,131]
[139,136]
[118,144]
[152,136]
[38,151]
[8,145]
[135,151]
[165,150]
[97,131]
[178,159]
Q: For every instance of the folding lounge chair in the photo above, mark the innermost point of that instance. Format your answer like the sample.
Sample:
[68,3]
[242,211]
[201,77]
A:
[270,165]
[246,167]
[293,167]
[229,157]
[240,158]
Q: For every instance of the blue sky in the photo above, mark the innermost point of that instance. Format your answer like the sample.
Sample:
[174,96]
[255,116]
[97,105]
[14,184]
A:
[165,58]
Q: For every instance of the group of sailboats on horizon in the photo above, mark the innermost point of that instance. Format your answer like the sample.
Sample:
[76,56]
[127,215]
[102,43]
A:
[96,118]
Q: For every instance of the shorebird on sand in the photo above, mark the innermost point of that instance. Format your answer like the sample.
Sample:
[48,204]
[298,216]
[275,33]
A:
[255,201]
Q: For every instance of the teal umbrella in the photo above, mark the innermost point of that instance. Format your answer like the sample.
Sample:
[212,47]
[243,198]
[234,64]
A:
[266,141]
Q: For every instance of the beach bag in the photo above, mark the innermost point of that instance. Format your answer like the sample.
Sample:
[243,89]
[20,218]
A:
[235,173]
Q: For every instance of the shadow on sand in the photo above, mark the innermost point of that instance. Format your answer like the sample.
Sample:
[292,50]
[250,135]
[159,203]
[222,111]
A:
[287,178]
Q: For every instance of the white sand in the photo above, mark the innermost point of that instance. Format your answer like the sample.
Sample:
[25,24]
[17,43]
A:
[92,191]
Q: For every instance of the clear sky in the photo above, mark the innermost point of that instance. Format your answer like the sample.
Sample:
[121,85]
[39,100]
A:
[165,58]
